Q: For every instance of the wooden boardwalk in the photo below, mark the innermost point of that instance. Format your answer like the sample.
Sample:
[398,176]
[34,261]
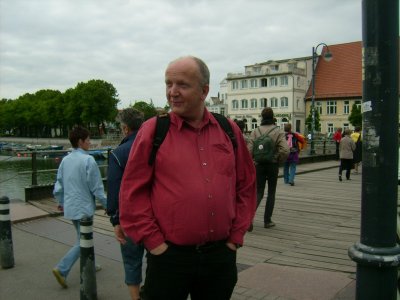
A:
[317,220]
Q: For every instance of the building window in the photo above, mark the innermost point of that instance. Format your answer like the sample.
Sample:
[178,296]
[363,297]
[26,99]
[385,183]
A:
[275,67]
[253,103]
[253,83]
[284,80]
[284,102]
[235,104]
[243,84]
[330,128]
[358,103]
[264,82]
[235,85]
[253,124]
[298,81]
[245,104]
[222,111]
[273,81]
[346,126]
[346,107]
[318,106]
[331,108]
[274,102]
[298,103]
[263,102]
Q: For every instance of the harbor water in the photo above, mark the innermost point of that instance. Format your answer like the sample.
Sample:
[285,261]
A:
[16,173]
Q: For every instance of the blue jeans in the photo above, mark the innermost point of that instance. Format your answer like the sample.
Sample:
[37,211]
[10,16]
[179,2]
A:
[132,256]
[66,263]
[289,171]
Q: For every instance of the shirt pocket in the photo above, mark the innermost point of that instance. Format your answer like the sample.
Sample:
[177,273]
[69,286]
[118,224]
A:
[224,159]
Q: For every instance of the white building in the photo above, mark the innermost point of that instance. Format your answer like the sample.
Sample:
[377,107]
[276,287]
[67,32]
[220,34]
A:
[280,84]
[216,105]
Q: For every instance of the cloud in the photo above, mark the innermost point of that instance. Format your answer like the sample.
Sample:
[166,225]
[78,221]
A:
[56,44]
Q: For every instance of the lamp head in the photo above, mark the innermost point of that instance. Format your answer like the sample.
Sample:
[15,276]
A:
[328,56]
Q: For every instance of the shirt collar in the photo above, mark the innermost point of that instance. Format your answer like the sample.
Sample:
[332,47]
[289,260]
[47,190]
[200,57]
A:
[129,137]
[79,150]
[207,118]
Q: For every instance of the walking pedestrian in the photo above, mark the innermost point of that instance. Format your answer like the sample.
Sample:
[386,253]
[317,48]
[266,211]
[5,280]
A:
[346,148]
[268,172]
[192,206]
[356,137]
[293,140]
[337,136]
[78,184]
[132,253]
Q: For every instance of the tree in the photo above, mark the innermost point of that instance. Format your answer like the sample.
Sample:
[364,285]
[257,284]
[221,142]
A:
[355,117]
[317,124]
[147,109]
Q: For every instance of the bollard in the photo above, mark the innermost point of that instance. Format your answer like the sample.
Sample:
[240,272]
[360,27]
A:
[6,244]
[88,269]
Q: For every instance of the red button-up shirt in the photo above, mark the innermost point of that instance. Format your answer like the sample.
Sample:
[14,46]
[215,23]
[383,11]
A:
[198,189]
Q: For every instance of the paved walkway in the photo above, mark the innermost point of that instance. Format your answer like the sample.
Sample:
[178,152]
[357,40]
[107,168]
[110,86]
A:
[267,270]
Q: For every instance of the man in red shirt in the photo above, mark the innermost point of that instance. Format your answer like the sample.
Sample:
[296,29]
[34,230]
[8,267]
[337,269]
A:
[337,136]
[192,207]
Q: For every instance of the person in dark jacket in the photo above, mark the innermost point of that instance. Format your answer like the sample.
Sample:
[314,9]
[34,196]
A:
[132,254]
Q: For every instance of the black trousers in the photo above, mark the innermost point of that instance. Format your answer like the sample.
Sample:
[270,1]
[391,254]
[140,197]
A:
[180,271]
[346,164]
[337,150]
[267,173]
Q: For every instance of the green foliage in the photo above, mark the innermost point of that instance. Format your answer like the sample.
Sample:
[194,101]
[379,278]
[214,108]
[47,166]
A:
[355,117]
[38,115]
[147,109]
[317,124]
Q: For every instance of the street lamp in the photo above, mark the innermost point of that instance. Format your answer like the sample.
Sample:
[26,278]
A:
[327,57]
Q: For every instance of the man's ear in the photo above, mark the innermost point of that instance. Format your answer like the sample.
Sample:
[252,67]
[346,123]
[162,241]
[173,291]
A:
[205,89]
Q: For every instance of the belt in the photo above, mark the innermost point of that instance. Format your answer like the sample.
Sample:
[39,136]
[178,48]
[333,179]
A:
[201,248]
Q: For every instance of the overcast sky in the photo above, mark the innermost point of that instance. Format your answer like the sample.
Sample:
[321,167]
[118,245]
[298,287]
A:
[55,44]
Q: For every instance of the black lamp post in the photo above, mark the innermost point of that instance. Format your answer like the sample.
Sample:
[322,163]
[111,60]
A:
[327,57]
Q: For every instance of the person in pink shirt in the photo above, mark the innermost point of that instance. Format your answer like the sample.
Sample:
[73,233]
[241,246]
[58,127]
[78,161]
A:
[192,207]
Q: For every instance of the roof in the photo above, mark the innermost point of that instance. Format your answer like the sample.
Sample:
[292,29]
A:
[340,77]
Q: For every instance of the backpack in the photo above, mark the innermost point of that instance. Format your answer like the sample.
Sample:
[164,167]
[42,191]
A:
[302,142]
[295,143]
[162,127]
[264,147]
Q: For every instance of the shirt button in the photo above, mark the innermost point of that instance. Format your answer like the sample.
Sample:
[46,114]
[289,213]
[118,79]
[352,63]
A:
[201,148]
[212,230]
[209,196]
[204,164]
[208,180]
[212,214]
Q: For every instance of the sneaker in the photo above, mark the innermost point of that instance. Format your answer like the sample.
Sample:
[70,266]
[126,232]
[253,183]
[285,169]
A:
[98,268]
[340,177]
[61,279]
[292,183]
[269,224]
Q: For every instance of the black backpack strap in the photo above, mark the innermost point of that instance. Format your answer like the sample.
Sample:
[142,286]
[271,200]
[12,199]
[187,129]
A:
[162,127]
[226,126]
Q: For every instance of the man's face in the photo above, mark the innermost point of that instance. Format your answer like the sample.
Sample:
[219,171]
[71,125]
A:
[184,90]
